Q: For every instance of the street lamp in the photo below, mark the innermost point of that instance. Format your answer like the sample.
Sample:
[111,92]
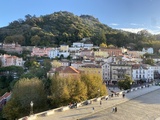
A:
[99,92]
[130,84]
[31,112]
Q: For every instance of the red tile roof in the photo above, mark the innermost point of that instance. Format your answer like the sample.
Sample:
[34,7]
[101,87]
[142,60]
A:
[7,94]
[137,66]
[91,66]
[67,69]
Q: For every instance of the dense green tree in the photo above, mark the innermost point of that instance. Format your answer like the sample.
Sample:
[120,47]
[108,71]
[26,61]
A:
[67,90]
[28,75]
[77,89]
[95,86]
[2,52]
[147,55]
[148,61]
[5,81]
[11,110]
[25,91]
[99,37]
[46,65]
[15,38]
[31,62]
[65,27]
[5,84]
[9,77]
[111,46]
[12,69]
[0,63]
[55,63]
[103,45]
[37,69]
[126,83]
[59,92]
[35,40]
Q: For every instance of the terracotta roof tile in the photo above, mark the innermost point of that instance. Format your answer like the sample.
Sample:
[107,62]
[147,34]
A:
[67,69]
[137,66]
[7,94]
[91,66]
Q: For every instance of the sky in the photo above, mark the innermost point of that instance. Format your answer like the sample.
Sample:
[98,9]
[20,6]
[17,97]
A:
[130,15]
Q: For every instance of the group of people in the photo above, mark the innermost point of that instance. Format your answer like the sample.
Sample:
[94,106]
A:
[117,94]
[114,109]
[73,105]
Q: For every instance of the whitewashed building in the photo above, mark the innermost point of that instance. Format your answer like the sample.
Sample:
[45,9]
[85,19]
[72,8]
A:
[142,72]
[77,64]
[148,50]
[74,49]
[78,44]
[56,53]
[110,59]
[53,53]
[8,60]
[106,72]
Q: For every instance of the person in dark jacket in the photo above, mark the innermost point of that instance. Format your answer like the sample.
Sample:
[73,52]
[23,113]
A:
[123,95]
[115,109]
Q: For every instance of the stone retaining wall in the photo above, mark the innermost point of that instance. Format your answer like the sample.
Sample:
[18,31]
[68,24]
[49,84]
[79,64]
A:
[64,108]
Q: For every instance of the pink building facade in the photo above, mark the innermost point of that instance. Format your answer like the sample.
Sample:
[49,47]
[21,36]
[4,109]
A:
[40,51]
[8,60]
[12,47]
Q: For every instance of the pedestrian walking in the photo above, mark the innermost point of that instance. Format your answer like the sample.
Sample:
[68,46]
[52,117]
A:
[123,95]
[93,109]
[76,105]
[112,95]
[106,98]
[100,102]
[115,109]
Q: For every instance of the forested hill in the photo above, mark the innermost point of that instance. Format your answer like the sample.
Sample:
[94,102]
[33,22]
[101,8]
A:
[65,28]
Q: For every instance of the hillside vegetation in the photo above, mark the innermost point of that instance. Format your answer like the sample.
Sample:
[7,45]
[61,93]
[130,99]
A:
[65,28]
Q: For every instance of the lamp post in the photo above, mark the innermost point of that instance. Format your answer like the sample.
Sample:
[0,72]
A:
[130,84]
[99,92]
[31,112]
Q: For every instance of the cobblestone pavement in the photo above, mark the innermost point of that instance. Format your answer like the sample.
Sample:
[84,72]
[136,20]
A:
[145,105]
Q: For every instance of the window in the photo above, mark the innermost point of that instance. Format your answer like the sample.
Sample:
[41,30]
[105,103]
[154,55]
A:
[139,76]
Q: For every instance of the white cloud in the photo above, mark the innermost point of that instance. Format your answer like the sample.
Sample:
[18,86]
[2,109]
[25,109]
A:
[133,24]
[114,24]
[154,31]
[158,27]
[133,30]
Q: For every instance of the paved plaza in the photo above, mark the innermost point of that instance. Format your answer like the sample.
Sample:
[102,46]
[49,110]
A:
[142,104]
[145,107]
